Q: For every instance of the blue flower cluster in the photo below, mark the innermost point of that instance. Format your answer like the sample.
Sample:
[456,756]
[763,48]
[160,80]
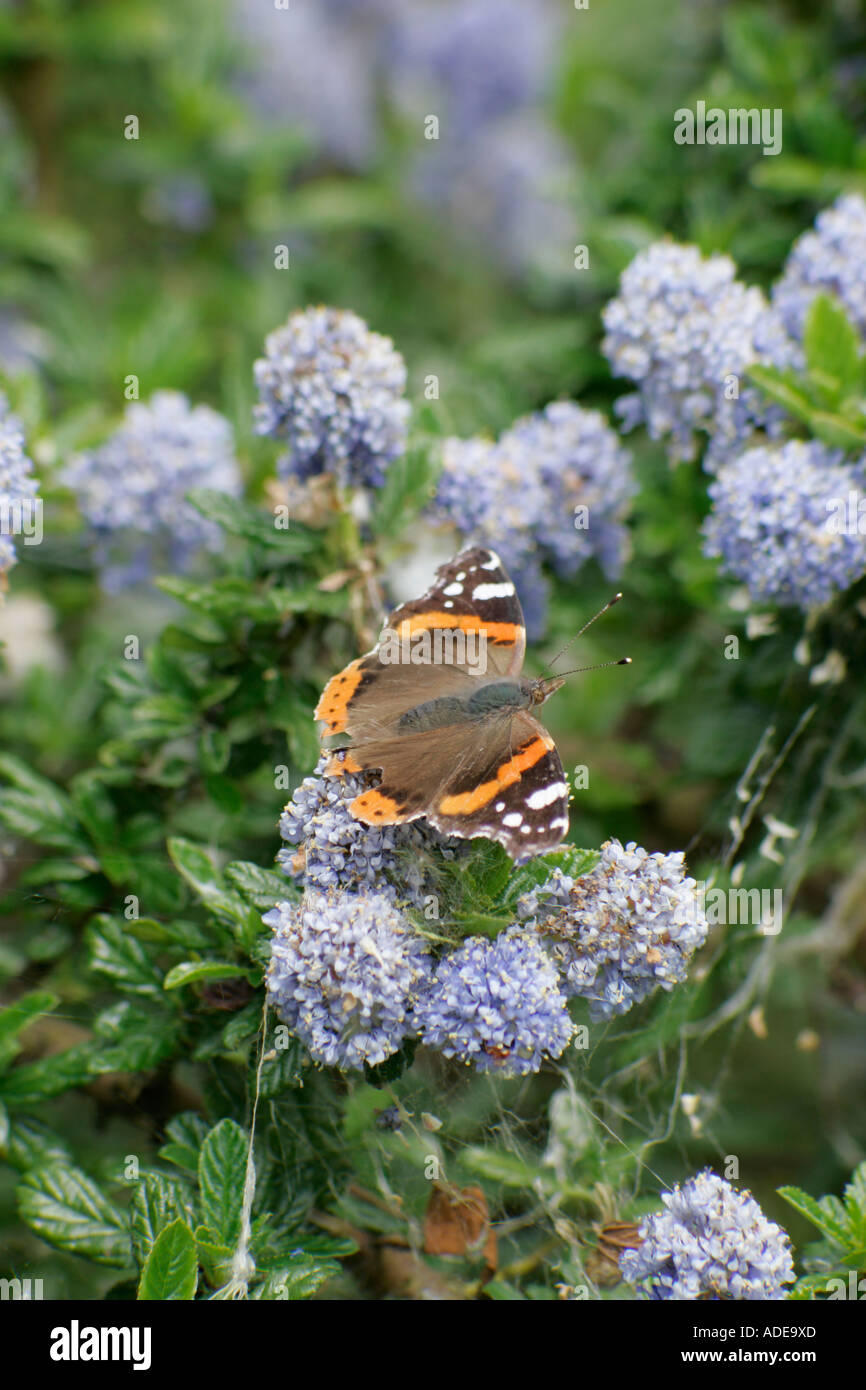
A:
[18,488]
[330,849]
[500,1004]
[631,924]
[777,523]
[334,392]
[497,1004]
[829,260]
[554,487]
[344,972]
[132,489]
[685,329]
[494,169]
[712,1242]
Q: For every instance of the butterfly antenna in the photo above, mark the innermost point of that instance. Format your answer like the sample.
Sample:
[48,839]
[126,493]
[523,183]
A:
[624,662]
[599,666]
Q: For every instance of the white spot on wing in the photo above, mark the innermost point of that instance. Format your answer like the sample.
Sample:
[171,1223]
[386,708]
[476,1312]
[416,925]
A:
[453,589]
[485,591]
[513,818]
[545,795]
[494,563]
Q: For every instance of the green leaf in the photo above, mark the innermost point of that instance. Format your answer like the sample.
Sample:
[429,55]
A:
[133,1038]
[36,809]
[188,971]
[31,1144]
[784,388]
[831,344]
[503,1168]
[222,1169]
[66,1208]
[214,749]
[94,808]
[186,1135]
[171,1270]
[261,887]
[284,1071]
[855,1203]
[116,953]
[253,523]
[15,1017]
[299,1277]
[828,1218]
[199,869]
[836,430]
[408,486]
[32,1082]
[158,1200]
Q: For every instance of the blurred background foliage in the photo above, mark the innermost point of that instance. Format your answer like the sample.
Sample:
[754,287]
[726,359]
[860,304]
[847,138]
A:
[155,256]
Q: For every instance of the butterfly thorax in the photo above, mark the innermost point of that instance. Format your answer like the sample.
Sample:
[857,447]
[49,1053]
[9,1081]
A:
[491,698]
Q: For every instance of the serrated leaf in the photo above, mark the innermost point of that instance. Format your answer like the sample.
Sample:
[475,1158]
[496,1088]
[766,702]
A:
[32,1082]
[299,1278]
[31,1144]
[186,1135]
[832,1221]
[222,1169]
[65,1207]
[133,1038]
[158,1200]
[171,1270]
[114,952]
[855,1193]
[36,809]
[284,1071]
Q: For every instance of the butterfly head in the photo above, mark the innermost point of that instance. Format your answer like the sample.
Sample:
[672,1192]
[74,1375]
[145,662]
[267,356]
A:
[545,686]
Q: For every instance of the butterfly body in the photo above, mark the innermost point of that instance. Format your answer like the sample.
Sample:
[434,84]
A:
[441,709]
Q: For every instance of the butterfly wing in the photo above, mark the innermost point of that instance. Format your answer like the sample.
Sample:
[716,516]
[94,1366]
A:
[471,595]
[497,775]
[507,785]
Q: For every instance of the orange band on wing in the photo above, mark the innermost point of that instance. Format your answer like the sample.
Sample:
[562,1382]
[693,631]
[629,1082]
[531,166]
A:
[375,809]
[505,634]
[465,803]
[340,764]
[336,696]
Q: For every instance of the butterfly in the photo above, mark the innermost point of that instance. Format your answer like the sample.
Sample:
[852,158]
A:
[440,708]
